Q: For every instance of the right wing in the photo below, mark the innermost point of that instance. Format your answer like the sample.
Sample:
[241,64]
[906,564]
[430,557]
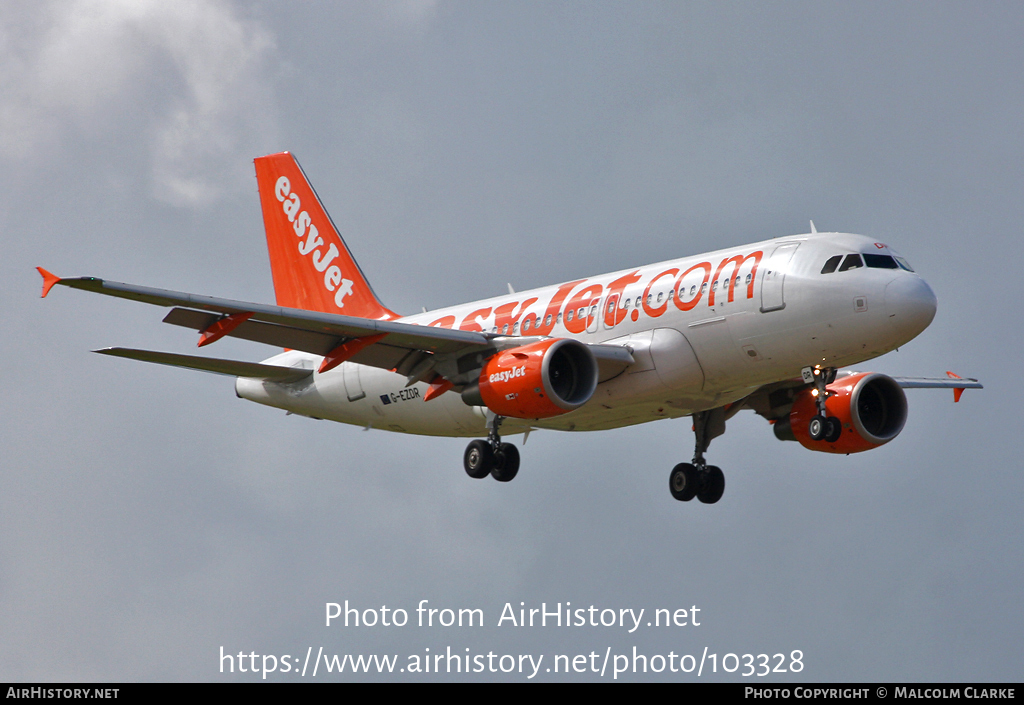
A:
[953,381]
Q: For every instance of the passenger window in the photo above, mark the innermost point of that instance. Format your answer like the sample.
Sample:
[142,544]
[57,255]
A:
[851,262]
[880,262]
[568,315]
[747,280]
[831,265]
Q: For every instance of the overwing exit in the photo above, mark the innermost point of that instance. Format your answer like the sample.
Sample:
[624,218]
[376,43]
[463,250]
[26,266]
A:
[766,326]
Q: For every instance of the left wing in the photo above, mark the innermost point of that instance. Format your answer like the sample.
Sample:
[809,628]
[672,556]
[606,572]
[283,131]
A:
[387,344]
[417,352]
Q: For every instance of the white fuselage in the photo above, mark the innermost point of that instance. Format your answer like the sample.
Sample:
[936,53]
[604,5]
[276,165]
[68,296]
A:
[704,331]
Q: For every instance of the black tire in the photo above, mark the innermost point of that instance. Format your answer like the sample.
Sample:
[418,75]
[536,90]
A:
[478,460]
[713,486]
[816,428]
[833,429]
[683,482]
[506,463]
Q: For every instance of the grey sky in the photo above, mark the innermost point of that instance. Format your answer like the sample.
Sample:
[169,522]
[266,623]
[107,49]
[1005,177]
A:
[148,517]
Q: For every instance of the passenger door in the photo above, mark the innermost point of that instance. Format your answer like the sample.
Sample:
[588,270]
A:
[774,277]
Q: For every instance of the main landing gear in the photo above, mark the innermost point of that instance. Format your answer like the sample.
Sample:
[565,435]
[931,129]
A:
[822,427]
[698,479]
[491,456]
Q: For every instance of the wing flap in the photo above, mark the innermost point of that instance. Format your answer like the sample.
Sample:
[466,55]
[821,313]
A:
[258,332]
[384,354]
[232,368]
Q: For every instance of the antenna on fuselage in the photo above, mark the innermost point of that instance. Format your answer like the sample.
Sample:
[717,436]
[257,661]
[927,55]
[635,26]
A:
[814,230]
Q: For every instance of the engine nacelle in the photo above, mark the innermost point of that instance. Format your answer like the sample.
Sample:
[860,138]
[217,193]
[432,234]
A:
[536,381]
[872,408]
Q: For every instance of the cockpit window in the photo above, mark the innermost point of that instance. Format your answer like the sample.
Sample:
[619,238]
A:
[880,262]
[851,262]
[831,264]
[900,260]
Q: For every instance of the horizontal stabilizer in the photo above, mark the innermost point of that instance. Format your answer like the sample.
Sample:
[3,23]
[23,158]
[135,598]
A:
[233,368]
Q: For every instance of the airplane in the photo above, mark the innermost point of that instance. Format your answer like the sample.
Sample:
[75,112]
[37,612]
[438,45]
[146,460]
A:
[765,326]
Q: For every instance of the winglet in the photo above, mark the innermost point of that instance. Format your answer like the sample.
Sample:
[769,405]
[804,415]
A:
[958,392]
[48,280]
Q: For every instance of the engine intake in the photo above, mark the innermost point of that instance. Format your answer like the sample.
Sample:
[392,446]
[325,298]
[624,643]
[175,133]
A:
[871,406]
[536,381]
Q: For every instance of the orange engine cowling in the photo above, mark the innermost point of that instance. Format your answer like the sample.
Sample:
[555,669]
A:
[871,407]
[536,381]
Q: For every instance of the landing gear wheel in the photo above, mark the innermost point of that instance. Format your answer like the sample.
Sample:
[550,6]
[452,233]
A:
[506,463]
[713,485]
[816,428]
[682,482]
[833,429]
[478,459]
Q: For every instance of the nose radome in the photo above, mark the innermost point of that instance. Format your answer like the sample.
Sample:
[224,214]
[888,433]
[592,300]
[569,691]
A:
[910,304]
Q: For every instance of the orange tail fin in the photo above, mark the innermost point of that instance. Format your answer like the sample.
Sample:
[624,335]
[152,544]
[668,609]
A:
[312,268]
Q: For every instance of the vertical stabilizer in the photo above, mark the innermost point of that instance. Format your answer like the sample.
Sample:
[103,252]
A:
[312,267]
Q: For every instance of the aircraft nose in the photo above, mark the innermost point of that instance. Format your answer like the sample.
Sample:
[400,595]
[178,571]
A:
[911,305]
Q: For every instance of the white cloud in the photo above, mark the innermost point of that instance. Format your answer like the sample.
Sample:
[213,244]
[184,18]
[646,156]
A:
[194,70]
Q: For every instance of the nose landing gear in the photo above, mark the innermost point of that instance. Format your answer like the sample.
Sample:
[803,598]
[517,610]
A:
[697,478]
[491,456]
